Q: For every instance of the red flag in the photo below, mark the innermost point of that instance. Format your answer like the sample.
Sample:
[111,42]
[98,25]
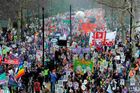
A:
[88,27]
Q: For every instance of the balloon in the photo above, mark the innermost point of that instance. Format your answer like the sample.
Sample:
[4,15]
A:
[80,14]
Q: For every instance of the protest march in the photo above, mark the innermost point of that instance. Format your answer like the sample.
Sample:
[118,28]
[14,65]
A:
[86,57]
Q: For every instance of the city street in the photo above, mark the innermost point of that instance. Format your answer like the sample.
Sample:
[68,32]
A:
[69,46]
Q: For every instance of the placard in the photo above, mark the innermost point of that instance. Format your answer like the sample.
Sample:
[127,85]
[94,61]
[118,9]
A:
[60,90]
[60,83]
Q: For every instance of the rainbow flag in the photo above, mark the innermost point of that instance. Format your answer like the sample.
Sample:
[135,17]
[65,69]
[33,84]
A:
[20,71]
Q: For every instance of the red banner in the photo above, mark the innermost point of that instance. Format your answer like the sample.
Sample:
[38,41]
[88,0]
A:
[100,36]
[11,61]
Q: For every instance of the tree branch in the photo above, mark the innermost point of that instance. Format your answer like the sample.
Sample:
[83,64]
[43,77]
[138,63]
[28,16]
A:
[112,6]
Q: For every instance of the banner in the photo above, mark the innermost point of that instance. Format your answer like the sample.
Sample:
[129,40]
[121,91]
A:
[83,65]
[97,37]
[11,61]
[110,38]
[100,36]
[66,21]
[107,39]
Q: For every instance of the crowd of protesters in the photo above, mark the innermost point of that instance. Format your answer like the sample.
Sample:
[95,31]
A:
[115,67]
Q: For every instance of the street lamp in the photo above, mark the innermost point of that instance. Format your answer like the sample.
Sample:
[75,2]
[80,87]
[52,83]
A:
[43,34]
[70,25]
[131,24]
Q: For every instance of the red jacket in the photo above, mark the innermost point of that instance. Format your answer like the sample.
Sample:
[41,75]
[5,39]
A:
[36,86]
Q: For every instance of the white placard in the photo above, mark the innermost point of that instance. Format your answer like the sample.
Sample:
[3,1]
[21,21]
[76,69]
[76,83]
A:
[65,78]
[60,90]
[60,83]
[117,58]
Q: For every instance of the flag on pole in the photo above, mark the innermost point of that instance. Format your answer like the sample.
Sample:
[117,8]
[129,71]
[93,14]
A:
[20,71]
[88,27]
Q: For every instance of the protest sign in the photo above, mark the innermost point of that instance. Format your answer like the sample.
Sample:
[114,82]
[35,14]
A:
[83,64]
[60,82]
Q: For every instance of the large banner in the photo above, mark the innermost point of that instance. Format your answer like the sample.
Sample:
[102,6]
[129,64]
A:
[107,39]
[81,65]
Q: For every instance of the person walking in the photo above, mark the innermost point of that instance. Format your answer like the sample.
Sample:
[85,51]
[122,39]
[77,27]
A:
[37,86]
[53,78]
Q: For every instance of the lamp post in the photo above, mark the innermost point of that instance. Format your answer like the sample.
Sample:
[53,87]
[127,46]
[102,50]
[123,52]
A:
[131,20]
[21,23]
[38,13]
[43,34]
[70,26]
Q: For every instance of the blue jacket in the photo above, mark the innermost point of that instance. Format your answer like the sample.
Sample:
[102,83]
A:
[53,78]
